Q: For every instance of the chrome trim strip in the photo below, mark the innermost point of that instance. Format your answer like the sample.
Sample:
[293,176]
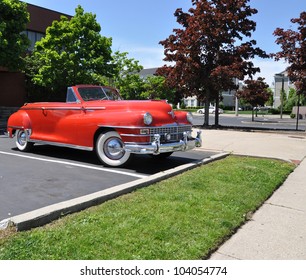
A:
[94,108]
[135,135]
[16,127]
[137,143]
[52,108]
[147,127]
[61,144]
[64,108]
[145,135]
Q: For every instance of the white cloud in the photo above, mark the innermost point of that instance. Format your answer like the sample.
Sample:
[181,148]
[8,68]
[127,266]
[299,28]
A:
[151,57]
[148,56]
[269,68]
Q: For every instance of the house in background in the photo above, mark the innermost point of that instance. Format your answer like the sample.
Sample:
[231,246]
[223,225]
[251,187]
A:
[281,81]
[228,97]
[147,72]
[13,93]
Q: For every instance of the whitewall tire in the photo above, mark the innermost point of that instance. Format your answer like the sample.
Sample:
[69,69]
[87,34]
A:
[110,149]
[22,142]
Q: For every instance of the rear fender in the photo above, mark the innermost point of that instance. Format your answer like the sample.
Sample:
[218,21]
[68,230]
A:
[18,120]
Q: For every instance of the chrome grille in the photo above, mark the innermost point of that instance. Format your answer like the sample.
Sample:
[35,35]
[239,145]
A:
[176,132]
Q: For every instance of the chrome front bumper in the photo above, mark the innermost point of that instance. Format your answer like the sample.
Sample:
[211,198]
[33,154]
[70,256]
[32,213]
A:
[187,143]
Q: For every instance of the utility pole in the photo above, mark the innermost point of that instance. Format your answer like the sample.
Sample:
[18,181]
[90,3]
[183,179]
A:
[298,113]
[236,98]
[282,97]
[281,94]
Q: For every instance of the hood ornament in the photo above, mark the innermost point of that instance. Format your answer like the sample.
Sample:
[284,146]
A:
[171,113]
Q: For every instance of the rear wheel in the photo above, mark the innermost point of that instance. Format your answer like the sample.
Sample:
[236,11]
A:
[110,149]
[22,142]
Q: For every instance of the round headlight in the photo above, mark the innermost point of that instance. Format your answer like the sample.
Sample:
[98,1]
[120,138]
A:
[190,117]
[147,118]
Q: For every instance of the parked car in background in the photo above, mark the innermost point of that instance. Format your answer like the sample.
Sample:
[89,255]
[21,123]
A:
[95,118]
[212,110]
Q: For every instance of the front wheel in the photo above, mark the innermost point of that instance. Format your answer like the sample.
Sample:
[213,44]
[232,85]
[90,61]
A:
[22,142]
[110,149]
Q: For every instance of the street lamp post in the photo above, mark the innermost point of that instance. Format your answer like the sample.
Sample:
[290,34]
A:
[298,113]
[282,96]
[236,106]
[236,98]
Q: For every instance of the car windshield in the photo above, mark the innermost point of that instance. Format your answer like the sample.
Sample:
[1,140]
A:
[112,93]
[98,93]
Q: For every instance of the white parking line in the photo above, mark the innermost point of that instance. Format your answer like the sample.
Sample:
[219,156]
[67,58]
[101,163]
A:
[77,165]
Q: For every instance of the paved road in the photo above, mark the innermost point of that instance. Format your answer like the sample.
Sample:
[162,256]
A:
[51,174]
[261,122]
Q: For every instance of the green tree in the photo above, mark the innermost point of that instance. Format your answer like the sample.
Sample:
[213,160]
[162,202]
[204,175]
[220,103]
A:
[72,52]
[156,88]
[270,101]
[131,87]
[292,100]
[126,77]
[13,43]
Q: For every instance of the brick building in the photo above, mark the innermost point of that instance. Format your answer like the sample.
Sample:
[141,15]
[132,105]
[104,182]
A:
[13,93]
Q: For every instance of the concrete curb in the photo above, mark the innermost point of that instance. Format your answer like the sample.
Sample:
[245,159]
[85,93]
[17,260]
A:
[50,213]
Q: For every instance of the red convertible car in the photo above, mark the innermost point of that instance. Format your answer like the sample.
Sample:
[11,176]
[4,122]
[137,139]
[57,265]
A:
[95,118]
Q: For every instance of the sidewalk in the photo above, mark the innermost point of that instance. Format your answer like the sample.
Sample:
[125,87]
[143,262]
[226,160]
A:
[277,231]
[286,146]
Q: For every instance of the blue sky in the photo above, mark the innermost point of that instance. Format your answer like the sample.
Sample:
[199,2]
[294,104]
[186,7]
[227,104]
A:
[137,26]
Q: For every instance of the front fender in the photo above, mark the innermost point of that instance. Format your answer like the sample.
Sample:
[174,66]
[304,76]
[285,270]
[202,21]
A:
[18,120]
[181,117]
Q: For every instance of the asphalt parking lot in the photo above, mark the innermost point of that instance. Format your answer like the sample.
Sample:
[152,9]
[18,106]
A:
[50,175]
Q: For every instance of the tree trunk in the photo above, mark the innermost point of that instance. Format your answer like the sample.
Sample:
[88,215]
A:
[217,112]
[206,108]
[206,115]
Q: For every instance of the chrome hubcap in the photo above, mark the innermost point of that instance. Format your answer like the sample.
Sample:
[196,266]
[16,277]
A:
[22,139]
[113,148]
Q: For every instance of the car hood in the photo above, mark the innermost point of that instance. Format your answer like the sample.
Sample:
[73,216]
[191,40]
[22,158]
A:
[135,109]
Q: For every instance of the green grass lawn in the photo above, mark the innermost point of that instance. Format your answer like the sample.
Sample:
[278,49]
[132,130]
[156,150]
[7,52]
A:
[184,217]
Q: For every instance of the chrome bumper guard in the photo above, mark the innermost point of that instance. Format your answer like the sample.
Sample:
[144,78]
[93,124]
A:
[187,143]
